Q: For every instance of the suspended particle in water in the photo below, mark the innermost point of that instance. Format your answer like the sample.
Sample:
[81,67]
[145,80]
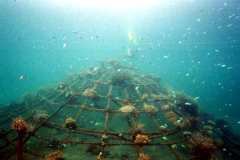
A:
[231,16]
[223,65]
[91,37]
[229,25]
[165,57]
[64,45]
[188,28]
[198,19]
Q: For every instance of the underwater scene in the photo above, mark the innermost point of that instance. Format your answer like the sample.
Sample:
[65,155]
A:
[119,79]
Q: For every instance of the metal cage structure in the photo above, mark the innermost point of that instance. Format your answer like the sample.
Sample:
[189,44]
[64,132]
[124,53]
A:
[110,112]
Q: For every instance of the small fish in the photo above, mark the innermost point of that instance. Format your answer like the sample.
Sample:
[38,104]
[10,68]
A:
[187,74]
[179,121]
[183,146]
[188,104]
[196,98]
[137,88]
[180,42]
[163,127]
[95,68]
[187,133]
[21,77]
[223,65]
[173,146]
[164,138]
[97,124]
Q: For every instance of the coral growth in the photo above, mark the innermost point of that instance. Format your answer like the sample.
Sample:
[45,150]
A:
[181,123]
[143,156]
[144,97]
[149,108]
[165,107]
[100,156]
[61,86]
[90,92]
[127,108]
[187,122]
[171,116]
[70,123]
[20,125]
[56,155]
[113,112]
[156,97]
[141,139]
[202,146]
[40,116]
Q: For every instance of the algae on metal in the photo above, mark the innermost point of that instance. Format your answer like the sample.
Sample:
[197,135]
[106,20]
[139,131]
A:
[111,112]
